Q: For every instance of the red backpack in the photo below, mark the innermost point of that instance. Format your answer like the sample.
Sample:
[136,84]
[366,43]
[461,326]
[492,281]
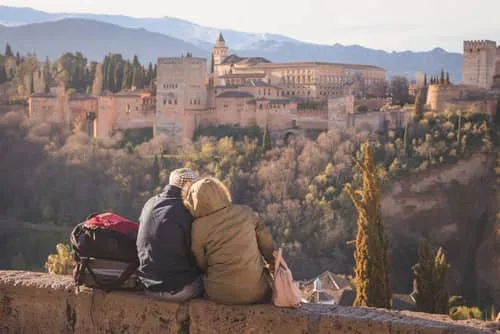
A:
[103,241]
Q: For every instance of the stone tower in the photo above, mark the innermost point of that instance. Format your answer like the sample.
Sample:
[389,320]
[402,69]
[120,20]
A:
[220,50]
[181,92]
[479,63]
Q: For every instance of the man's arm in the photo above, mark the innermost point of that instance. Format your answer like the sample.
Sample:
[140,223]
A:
[147,209]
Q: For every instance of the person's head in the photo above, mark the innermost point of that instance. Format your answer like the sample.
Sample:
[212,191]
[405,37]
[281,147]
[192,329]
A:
[206,196]
[179,177]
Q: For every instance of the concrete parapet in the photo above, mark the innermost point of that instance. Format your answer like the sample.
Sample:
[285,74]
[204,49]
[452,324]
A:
[43,303]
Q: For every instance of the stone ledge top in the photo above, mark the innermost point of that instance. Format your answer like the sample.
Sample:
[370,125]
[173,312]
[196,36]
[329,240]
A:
[40,302]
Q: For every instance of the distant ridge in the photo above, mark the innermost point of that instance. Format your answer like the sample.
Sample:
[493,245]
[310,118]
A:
[95,35]
[94,39]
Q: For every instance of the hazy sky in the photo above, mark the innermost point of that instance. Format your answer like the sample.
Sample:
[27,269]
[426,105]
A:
[381,24]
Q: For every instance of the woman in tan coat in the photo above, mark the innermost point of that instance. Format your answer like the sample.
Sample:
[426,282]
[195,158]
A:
[229,244]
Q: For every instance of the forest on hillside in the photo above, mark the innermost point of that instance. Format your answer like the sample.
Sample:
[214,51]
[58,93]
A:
[74,71]
[53,177]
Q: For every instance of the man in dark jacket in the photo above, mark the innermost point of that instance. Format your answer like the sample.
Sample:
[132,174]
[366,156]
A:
[167,267]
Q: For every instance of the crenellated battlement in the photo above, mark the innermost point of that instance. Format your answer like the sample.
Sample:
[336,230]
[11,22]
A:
[479,44]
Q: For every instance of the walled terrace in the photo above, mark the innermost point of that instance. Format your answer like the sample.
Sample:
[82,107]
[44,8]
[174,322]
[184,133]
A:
[42,303]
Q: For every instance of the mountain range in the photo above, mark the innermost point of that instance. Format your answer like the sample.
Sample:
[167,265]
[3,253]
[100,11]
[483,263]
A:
[51,34]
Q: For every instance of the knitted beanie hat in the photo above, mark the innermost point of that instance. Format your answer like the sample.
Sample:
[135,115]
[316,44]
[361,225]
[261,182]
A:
[181,176]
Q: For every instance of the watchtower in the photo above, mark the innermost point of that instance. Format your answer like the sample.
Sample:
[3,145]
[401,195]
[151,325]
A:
[479,63]
[220,50]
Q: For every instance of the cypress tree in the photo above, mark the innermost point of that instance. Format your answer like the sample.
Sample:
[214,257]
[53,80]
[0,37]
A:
[447,80]
[496,120]
[459,131]
[442,78]
[430,276]
[212,65]
[3,74]
[156,172]
[266,140]
[135,61]
[371,271]
[425,79]
[32,84]
[150,75]
[441,274]
[423,277]
[418,114]
[406,138]
[8,51]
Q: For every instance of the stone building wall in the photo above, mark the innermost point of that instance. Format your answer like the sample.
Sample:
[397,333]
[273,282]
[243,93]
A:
[439,95]
[181,93]
[479,67]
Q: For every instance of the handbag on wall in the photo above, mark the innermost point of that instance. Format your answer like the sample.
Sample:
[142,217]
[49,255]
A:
[286,292]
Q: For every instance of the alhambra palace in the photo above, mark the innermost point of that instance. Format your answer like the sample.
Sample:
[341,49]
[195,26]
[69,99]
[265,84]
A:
[285,98]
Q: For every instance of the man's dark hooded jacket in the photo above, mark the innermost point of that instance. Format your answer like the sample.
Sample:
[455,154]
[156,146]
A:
[164,243]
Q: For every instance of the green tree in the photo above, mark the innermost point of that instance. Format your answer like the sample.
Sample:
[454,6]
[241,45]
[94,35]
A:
[8,51]
[442,79]
[430,275]
[3,74]
[46,75]
[212,65]
[156,172]
[447,80]
[372,269]
[266,140]
[32,84]
[425,79]
[441,269]
[418,113]
[399,90]
[150,75]
[496,120]
[465,313]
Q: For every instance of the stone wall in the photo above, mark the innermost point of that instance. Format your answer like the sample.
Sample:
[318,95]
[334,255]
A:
[43,303]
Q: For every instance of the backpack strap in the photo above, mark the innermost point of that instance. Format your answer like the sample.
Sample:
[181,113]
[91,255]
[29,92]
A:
[116,284]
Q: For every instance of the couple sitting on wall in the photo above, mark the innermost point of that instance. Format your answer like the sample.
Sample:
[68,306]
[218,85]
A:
[193,241]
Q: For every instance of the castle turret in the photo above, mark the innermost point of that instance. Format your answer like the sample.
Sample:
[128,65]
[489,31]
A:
[220,50]
[479,63]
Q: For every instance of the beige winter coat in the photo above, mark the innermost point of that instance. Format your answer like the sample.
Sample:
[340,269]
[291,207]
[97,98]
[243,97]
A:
[228,242]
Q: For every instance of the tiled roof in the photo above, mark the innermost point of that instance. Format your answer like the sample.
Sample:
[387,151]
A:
[403,302]
[279,101]
[260,83]
[231,59]
[253,61]
[235,94]
[339,281]
[77,96]
[43,95]
[315,64]
[235,59]
[242,75]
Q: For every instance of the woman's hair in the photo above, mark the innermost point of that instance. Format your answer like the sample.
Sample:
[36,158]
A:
[205,196]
